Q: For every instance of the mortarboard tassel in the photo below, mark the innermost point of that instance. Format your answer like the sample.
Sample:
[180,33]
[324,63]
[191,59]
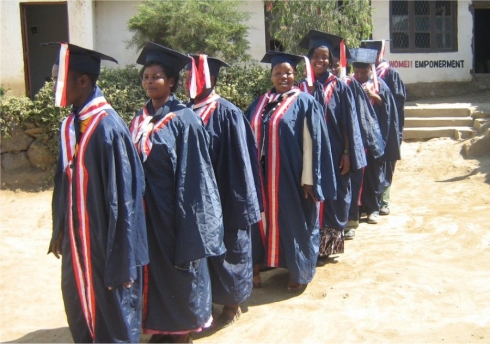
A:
[343,60]
[200,76]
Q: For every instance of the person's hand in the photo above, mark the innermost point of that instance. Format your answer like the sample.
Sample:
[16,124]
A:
[126,284]
[56,245]
[344,163]
[308,191]
[370,93]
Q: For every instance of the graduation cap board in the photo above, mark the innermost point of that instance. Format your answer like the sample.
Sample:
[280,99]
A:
[374,44]
[362,57]
[170,58]
[73,57]
[275,57]
[315,39]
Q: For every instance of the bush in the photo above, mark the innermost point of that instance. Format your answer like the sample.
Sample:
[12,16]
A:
[122,88]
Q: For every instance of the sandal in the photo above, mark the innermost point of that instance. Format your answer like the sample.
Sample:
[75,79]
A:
[295,287]
[228,317]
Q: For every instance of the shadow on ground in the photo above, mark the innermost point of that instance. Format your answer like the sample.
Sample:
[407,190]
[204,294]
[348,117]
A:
[55,335]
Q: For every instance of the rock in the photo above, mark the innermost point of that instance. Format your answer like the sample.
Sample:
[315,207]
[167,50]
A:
[34,132]
[478,146]
[13,161]
[39,155]
[29,125]
[17,141]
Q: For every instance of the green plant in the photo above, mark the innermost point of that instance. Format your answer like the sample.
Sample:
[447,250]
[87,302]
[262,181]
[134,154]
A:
[216,28]
[13,111]
[290,20]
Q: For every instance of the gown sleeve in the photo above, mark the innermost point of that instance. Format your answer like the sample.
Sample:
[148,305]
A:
[127,246]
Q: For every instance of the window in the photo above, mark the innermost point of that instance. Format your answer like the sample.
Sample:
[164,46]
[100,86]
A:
[423,26]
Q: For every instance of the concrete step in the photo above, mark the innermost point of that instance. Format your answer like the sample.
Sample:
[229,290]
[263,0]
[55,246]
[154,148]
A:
[430,133]
[480,114]
[480,122]
[417,122]
[451,110]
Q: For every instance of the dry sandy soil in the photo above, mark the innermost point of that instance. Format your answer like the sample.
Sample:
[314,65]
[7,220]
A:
[421,275]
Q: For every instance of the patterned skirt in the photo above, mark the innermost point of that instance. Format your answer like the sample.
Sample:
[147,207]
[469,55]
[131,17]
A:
[331,241]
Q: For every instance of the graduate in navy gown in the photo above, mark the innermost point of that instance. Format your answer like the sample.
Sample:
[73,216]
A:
[340,114]
[383,103]
[183,210]
[98,216]
[234,156]
[370,132]
[296,170]
[392,78]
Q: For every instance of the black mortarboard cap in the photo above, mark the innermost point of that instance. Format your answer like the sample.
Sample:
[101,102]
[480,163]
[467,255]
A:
[214,64]
[82,59]
[170,58]
[362,57]
[315,39]
[274,57]
[373,44]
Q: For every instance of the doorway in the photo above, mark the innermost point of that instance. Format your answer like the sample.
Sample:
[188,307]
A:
[481,34]
[41,23]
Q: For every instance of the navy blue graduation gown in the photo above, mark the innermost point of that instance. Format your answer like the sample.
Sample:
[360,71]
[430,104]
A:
[105,241]
[388,123]
[235,165]
[340,112]
[292,233]
[371,138]
[184,218]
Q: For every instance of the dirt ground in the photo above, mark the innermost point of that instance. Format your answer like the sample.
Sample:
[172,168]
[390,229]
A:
[421,275]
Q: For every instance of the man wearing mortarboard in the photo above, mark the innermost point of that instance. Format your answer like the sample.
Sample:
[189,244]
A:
[98,217]
[383,103]
[392,78]
[344,133]
[234,155]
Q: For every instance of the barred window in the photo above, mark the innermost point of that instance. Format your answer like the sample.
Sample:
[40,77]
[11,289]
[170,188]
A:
[423,26]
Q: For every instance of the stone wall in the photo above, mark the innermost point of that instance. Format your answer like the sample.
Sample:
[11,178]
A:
[423,90]
[24,148]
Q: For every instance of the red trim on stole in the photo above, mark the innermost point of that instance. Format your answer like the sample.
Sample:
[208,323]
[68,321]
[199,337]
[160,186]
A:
[207,111]
[274,162]
[256,123]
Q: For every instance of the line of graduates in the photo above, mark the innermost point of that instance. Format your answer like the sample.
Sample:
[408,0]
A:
[183,209]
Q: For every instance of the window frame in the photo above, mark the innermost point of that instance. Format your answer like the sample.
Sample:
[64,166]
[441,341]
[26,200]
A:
[411,29]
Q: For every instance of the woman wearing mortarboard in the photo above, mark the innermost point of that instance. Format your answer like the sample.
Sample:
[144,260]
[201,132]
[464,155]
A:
[344,133]
[183,210]
[296,171]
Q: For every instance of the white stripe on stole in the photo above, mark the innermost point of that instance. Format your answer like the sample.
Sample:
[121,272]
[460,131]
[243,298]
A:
[62,74]
[68,148]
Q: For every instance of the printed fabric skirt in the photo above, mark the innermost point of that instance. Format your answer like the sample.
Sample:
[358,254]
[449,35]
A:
[331,241]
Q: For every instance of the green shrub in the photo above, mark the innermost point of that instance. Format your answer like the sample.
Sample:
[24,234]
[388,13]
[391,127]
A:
[122,88]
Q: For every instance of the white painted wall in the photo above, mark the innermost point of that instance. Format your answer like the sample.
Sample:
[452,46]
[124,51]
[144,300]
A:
[112,34]
[381,19]
[11,56]
[256,31]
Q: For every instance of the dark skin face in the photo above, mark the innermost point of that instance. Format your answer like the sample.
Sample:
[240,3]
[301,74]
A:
[336,66]
[282,77]
[157,85]
[362,75]
[78,87]
[320,61]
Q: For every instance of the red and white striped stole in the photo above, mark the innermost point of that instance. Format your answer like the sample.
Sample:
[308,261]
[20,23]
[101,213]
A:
[206,107]
[81,253]
[382,69]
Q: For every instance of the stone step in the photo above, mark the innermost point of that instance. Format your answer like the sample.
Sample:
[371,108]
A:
[430,133]
[417,122]
[437,111]
[480,114]
[480,122]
